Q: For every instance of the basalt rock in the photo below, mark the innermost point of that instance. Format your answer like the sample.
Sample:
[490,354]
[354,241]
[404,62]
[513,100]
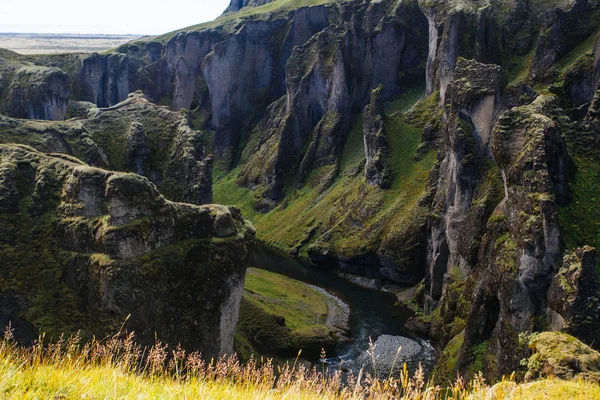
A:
[521,247]
[457,29]
[239,96]
[469,184]
[326,79]
[90,250]
[574,297]
[376,148]
[38,93]
[561,29]
[183,56]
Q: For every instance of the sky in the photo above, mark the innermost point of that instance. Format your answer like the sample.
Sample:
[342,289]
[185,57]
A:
[148,17]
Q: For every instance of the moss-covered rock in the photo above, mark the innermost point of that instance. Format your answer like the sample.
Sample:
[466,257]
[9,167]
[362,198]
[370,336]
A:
[133,136]
[90,250]
[281,317]
[377,171]
[562,356]
[38,92]
[521,247]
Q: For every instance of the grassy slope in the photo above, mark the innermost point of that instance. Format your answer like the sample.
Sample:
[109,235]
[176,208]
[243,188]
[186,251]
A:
[280,316]
[230,20]
[357,214]
[303,308]
[578,230]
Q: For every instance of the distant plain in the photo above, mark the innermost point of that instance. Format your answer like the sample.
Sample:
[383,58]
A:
[44,43]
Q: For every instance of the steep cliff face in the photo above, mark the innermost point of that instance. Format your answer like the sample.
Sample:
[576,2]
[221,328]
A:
[457,29]
[109,246]
[522,244]
[327,78]
[135,136]
[377,170]
[574,296]
[32,91]
[469,184]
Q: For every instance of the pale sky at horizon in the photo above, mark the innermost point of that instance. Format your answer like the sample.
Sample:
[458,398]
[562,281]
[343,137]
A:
[147,17]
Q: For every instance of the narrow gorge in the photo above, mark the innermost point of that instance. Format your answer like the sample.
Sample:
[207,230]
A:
[444,151]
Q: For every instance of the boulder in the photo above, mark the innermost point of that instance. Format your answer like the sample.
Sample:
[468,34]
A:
[389,354]
[559,355]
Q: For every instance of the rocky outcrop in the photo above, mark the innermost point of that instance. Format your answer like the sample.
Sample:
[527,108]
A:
[105,79]
[457,29]
[135,136]
[111,251]
[38,93]
[522,245]
[377,171]
[558,355]
[574,296]
[469,187]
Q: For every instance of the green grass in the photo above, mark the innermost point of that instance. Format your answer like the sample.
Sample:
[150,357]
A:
[405,101]
[580,219]
[280,316]
[357,214]
[583,48]
[302,306]
[519,68]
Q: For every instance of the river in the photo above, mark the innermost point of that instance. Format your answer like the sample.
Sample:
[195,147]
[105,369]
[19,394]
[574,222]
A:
[372,312]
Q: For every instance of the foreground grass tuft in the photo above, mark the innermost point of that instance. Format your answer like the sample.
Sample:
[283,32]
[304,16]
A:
[118,368]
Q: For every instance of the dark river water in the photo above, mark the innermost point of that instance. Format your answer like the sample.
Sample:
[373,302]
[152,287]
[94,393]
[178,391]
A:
[372,312]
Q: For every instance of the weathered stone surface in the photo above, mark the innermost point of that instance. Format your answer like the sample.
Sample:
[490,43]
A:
[134,135]
[109,249]
[390,353]
[457,29]
[574,296]
[38,93]
[468,188]
[330,75]
[377,171]
[562,27]
[562,356]
[522,245]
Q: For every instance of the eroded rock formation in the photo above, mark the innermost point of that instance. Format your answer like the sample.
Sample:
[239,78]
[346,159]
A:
[111,250]
[135,136]
[377,170]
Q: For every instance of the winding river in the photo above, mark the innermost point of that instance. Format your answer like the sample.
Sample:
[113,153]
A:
[372,312]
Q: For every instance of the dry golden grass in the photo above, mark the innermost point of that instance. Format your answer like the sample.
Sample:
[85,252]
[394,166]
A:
[118,368]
